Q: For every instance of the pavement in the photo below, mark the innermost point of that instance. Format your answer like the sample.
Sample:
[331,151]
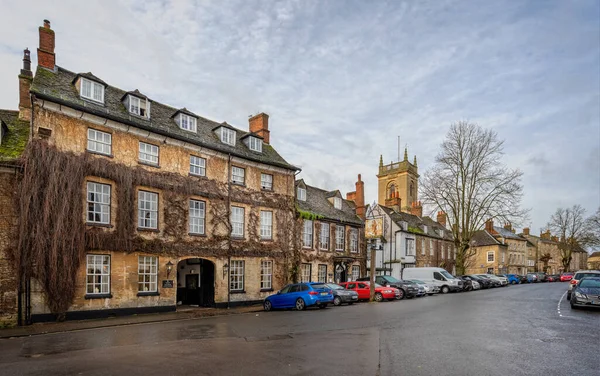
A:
[515,330]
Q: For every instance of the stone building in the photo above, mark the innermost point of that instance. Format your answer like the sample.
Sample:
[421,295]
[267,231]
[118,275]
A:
[398,184]
[593,261]
[490,255]
[168,207]
[332,239]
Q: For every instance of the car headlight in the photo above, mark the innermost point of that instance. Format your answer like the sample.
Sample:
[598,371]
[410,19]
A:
[387,291]
[580,295]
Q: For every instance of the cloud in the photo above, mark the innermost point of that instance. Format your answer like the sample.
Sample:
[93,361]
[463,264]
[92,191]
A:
[343,79]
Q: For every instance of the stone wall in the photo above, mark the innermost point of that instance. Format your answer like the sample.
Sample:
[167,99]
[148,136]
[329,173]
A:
[479,262]
[8,276]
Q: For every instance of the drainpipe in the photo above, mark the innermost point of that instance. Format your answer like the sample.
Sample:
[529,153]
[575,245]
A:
[229,239]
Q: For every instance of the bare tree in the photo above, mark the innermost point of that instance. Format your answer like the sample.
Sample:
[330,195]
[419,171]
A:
[593,229]
[572,229]
[470,184]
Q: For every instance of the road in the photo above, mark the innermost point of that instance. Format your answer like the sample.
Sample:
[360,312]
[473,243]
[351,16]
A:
[516,330]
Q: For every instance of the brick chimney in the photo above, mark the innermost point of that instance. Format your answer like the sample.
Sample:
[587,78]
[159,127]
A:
[416,209]
[507,226]
[25,79]
[358,196]
[46,56]
[489,226]
[259,124]
[441,218]
[546,235]
[554,238]
[526,231]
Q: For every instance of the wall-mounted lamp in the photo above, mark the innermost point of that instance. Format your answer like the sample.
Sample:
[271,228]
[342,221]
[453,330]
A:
[225,270]
[169,268]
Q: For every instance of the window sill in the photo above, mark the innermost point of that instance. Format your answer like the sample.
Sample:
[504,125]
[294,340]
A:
[238,292]
[339,250]
[267,240]
[93,224]
[98,153]
[238,238]
[98,296]
[142,229]
[239,184]
[149,164]
[196,175]
[197,235]
[266,290]
[267,189]
[148,293]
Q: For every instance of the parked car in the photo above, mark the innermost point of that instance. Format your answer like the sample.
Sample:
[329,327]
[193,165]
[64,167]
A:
[300,296]
[578,276]
[429,289]
[523,278]
[342,295]
[513,279]
[363,289]
[499,281]
[566,277]
[436,276]
[542,277]
[468,284]
[586,293]
[503,280]
[532,277]
[485,283]
[553,278]
[407,289]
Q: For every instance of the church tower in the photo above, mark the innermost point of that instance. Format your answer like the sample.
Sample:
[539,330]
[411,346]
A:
[398,184]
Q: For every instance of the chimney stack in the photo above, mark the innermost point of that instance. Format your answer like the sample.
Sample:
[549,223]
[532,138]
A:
[507,226]
[358,196]
[441,218]
[416,209]
[526,231]
[46,56]
[25,79]
[259,124]
[489,226]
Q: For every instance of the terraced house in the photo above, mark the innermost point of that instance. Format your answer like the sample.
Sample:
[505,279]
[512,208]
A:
[129,205]
[333,239]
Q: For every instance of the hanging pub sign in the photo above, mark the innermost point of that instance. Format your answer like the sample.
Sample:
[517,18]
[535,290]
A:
[167,284]
[374,228]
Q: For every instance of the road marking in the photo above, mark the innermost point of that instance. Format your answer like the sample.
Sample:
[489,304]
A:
[559,302]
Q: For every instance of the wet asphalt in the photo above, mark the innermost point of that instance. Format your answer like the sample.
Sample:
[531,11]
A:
[516,330]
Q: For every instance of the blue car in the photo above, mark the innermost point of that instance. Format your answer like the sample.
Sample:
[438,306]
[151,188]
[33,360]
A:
[513,279]
[300,296]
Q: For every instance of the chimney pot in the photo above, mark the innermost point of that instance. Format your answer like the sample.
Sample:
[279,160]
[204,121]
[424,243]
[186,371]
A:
[46,56]
[259,124]
[526,231]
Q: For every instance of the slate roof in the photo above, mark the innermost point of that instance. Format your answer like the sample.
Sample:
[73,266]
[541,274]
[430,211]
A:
[482,238]
[59,87]
[418,223]
[317,203]
[507,233]
[16,136]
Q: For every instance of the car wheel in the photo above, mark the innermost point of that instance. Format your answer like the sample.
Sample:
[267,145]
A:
[445,289]
[300,304]
[568,296]
[350,303]
[378,297]
[573,306]
[401,294]
[430,294]
[267,306]
[324,305]
[337,301]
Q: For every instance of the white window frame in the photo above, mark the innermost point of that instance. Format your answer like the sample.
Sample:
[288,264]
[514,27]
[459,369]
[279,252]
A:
[149,153]
[197,217]
[147,210]
[324,237]
[266,275]
[237,221]
[431,251]
[491,253]
[197,165]
[423,247]
[97,274]
[340,237]
[355,272]
[337,203]
[99,142]
[93,86]
[236,275]
[353,240]
[322,273]
[301,193]
[187,122]
[266,225]
[228,136]
[503,254]
[147,274]
[266,182]
[410,247]
[238,175]
[305,272]
[255,144]
[307,234]
[135,106]
[442,250]
[98,203]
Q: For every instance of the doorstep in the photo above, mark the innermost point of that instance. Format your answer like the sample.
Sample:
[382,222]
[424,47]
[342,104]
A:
[185,313]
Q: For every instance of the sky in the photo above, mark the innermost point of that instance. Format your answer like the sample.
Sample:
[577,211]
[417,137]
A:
[342,80]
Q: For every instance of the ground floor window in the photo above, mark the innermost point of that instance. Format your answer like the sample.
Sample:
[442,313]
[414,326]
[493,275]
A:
[490,271]
[147,274]
[305,272]
[266,275]
[236,273]
[98,274]
[355,272]
[322,277]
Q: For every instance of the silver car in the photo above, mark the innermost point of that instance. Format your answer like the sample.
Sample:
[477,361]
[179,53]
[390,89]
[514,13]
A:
[502,280]
[429,289]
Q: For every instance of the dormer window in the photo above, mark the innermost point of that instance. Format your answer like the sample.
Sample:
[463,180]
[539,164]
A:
[186,122]
[139,107]
[255,144]
[227,136]
[301,193]
[337,203]
[425,229]
[91,90]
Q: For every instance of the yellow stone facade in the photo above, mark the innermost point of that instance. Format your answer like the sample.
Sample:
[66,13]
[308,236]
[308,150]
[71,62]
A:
[398,180]
[488,259]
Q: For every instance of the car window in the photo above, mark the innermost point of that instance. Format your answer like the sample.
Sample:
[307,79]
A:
[285,290]
[305,288]
[319,286]
[579,276]
[438,276]
[333,286]
[351,286]
[293,288]
[379,280]
[590,282]
[362,286]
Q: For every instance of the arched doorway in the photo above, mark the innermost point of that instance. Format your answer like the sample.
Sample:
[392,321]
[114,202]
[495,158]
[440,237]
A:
[196,282]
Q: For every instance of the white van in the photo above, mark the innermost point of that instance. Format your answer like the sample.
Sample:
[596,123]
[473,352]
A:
[434,276]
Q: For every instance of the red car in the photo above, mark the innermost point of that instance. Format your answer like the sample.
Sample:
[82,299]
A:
[364,291]
[566,277]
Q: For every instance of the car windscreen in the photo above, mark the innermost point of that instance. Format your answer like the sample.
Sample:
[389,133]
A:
[590,283]
[333,286]
[318,286]
[446,274]
[417,281]
[579,276]
[391,279]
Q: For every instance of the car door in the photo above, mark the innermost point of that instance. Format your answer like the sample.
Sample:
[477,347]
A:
[289,299]
[277,300]
[363,290]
